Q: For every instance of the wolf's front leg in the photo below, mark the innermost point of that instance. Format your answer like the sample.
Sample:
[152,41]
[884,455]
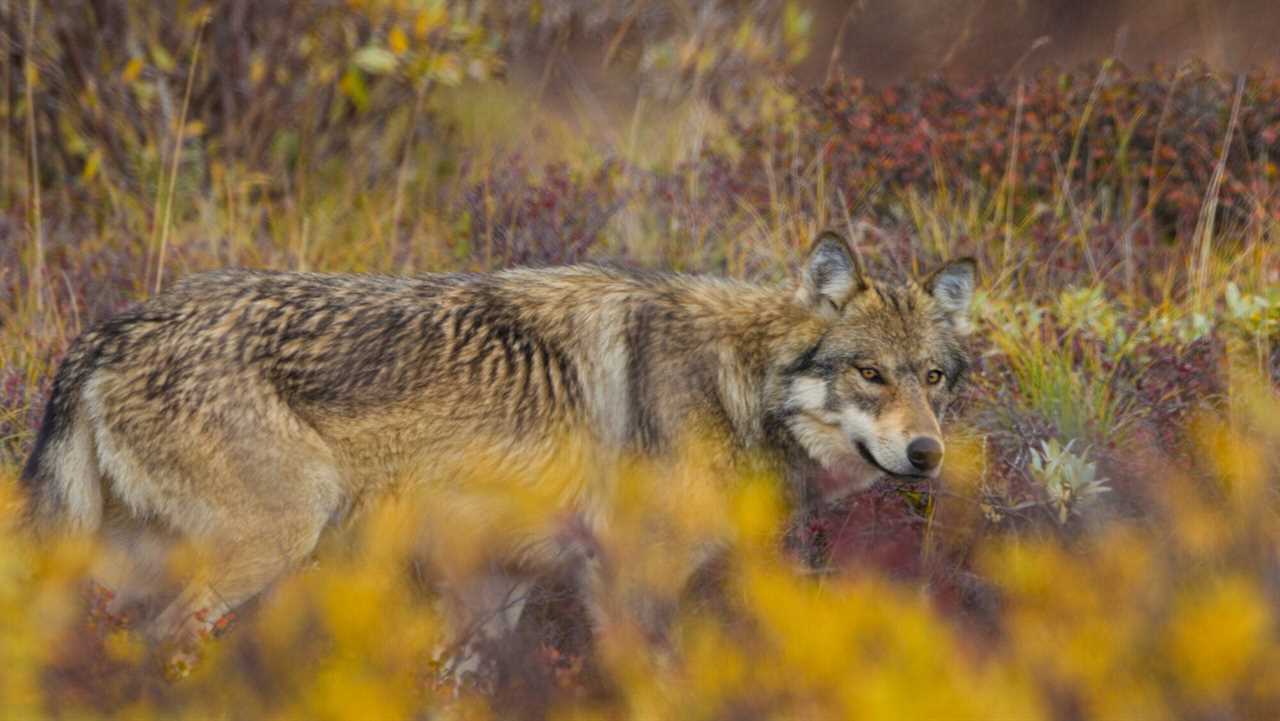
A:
[483,612]
[626,605]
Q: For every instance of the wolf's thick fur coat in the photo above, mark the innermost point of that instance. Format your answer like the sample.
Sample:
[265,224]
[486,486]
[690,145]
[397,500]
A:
[248,410]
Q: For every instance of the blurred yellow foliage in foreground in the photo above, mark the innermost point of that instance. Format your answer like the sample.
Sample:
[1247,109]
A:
[1167,615]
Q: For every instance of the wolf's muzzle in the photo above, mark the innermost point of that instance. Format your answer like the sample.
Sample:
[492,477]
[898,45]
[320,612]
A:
[925,453]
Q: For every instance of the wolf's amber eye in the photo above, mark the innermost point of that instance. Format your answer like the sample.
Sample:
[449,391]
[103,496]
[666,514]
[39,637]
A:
[934,377]
[871,374]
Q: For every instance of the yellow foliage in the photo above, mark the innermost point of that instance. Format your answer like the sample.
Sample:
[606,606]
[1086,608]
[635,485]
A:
[397,41]
[1117,622]
[1218,635]
[435,16]
[132,70]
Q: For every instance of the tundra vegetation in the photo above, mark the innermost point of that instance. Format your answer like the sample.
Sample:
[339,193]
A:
[1103,542]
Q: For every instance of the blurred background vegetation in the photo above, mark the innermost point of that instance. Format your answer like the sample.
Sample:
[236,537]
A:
[1104,542]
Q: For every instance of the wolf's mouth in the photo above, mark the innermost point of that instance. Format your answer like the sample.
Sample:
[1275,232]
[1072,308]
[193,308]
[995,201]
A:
[866,456]
[840,476]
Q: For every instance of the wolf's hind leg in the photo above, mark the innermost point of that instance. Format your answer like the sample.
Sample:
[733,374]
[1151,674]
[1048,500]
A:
[132,567]
[235,571]
[249,546]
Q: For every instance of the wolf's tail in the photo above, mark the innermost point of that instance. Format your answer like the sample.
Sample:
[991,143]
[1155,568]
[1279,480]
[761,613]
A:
[62,479]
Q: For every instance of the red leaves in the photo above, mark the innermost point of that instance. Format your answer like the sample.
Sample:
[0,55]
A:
[1147,138]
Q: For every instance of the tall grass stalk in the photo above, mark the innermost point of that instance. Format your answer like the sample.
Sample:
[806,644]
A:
[1011,176]
[6,174]
[1085,115]
[402,177]
[1203,237]
[179,133]
[35,218]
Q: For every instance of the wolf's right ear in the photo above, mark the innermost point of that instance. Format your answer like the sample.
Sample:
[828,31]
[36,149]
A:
[832,274]
[952,287]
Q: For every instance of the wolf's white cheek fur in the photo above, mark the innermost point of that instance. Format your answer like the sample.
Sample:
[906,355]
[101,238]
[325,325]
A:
[808,394]
[844,471]
[862,427]
[858,424]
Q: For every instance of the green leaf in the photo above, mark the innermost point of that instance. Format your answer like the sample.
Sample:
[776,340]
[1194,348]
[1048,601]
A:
[1234,300]
[352,85]
[375,60]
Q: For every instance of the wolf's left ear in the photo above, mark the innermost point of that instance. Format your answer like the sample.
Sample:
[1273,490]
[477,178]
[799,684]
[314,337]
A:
[952,287]
[832,274]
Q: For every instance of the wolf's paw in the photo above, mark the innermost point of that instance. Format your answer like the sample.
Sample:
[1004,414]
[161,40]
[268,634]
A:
[103,613]
[177,664]
[207,629]
[181,650]
[461,669]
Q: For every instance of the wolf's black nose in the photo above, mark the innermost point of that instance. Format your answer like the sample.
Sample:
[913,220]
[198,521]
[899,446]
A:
[925,453]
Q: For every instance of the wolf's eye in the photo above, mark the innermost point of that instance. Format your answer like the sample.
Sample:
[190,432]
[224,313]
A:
[934,377]
[871,374]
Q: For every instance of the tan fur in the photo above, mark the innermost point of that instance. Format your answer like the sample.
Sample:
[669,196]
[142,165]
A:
[247,411]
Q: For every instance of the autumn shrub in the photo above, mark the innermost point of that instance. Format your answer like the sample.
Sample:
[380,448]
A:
[1168,614]
[118,83]
[1140,146]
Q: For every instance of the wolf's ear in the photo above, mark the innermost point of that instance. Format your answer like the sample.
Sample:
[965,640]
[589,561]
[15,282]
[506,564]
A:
[832,274]
[952,287]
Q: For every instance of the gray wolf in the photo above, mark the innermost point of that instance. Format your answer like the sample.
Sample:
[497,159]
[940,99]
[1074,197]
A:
[248,411]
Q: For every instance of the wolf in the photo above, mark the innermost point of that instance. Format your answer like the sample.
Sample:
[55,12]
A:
[248,411]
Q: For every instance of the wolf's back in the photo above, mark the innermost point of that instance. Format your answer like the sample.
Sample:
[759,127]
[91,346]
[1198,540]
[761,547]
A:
[437,356]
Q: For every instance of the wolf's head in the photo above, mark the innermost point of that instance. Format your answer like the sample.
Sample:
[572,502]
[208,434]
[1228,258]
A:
[864,401]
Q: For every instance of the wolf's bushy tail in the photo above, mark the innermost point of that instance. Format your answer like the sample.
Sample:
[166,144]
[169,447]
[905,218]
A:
[62,479]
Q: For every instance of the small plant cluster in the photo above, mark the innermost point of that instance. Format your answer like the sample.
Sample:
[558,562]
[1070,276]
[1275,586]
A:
[1071,481]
